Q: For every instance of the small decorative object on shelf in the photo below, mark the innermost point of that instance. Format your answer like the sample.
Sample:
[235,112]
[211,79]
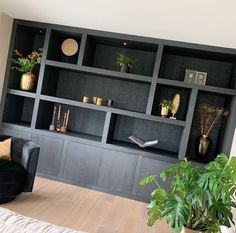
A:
[65,122]
[196,77]
[208,118]
[140,143]
[58,125]
[175,105]
[52,127]
[26,66]
[69,47]
[190,76]
[125,62]
[86,99]
[95,100]
[196,199]
[201,78]
[166,105]
[110,103]
[99,101]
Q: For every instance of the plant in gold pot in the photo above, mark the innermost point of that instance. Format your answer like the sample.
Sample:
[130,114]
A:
[166,106]
[198,200]
[26,65]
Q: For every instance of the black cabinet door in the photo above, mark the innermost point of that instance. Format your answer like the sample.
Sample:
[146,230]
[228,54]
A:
[50,154]
[82,163]
[117,171]
[151,167]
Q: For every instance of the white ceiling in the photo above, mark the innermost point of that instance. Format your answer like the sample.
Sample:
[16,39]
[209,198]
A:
[201,21]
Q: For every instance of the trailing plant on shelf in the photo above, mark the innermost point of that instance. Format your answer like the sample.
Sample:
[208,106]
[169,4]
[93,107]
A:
[26,65]
[166,106]
[209,117]
[198,199]
[125,62]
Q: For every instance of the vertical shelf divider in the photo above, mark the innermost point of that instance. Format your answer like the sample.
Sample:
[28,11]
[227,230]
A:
[106,128]
[186,132]
[154,79]
[40,78]
[82,49]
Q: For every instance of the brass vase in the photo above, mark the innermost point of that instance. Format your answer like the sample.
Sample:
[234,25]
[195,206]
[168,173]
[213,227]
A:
[28,81]
[164,111]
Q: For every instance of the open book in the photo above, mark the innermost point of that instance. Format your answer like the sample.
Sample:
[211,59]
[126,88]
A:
[142,144]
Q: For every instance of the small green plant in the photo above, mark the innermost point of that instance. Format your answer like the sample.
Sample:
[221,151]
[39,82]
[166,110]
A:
[199,199]
[166,103]
[125,60]
[27,64]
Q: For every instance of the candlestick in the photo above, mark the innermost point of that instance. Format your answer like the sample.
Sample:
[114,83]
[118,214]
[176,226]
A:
[67,117]
[59,113]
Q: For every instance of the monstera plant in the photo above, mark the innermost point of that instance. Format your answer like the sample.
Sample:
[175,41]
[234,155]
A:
[199,199]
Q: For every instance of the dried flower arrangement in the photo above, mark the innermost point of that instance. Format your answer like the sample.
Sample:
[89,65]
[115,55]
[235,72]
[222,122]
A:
[210,117]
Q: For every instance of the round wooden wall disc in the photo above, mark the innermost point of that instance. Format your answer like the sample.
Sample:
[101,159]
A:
[69,47]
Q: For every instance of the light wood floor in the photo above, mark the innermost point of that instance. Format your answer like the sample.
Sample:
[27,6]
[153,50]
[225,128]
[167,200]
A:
[84,209]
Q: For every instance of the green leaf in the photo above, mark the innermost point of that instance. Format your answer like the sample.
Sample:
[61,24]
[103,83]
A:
[147,180]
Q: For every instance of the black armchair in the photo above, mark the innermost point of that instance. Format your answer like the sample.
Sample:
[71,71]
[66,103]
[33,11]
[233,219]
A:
[18,175]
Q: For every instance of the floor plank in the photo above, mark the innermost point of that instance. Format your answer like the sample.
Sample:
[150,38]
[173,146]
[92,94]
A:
[84,209]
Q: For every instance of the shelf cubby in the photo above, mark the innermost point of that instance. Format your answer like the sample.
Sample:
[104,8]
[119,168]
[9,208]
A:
[168,92]
[28,39]
[83,123]
[216,133]
[18,110]
[101,52]
[220,67]
[54,50]
[73,85]
[121,127]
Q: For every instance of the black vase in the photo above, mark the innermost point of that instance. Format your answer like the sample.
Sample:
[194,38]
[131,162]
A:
[203,144]
[124,68]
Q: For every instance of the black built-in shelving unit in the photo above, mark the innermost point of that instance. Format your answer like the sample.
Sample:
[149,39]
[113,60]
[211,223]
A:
[96,144]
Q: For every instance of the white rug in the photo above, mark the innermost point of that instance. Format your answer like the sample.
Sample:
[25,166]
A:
[11,222]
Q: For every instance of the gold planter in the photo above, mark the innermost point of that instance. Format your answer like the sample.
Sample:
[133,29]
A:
[187,230]
[28,81]
[164,111]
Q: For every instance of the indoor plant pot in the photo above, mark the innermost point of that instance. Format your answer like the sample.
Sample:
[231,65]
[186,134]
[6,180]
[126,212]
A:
[125,62]
[164,111]
[28,81]
[26,65]
[198,199]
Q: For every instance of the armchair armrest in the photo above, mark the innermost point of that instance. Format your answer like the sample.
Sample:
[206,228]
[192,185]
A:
[29,161]
[25,153]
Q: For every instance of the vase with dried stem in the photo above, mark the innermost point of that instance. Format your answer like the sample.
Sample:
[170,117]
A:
[209,117]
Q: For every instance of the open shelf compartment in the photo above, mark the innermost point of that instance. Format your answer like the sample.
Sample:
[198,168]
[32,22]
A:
[101,53]
[74,85]
[55,46]
[83,123]
[27,39]
[168,92]
[121,127]
[18,110]
[217,133]
[220,67]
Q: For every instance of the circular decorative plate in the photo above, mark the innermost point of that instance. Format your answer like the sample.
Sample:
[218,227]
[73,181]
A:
[69,47]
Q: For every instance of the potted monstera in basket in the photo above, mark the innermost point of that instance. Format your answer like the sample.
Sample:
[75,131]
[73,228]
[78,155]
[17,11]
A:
[199,199]
[26,65]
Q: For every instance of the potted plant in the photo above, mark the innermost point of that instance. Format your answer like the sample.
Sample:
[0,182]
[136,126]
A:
[125,62]
[209,117]
[166,106]
[199,199]
[26,65]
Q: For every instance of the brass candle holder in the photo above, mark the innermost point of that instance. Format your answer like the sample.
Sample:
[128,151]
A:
[65,122]
[52,126]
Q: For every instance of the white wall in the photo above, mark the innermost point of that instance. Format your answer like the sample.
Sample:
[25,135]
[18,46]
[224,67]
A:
[5,34]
